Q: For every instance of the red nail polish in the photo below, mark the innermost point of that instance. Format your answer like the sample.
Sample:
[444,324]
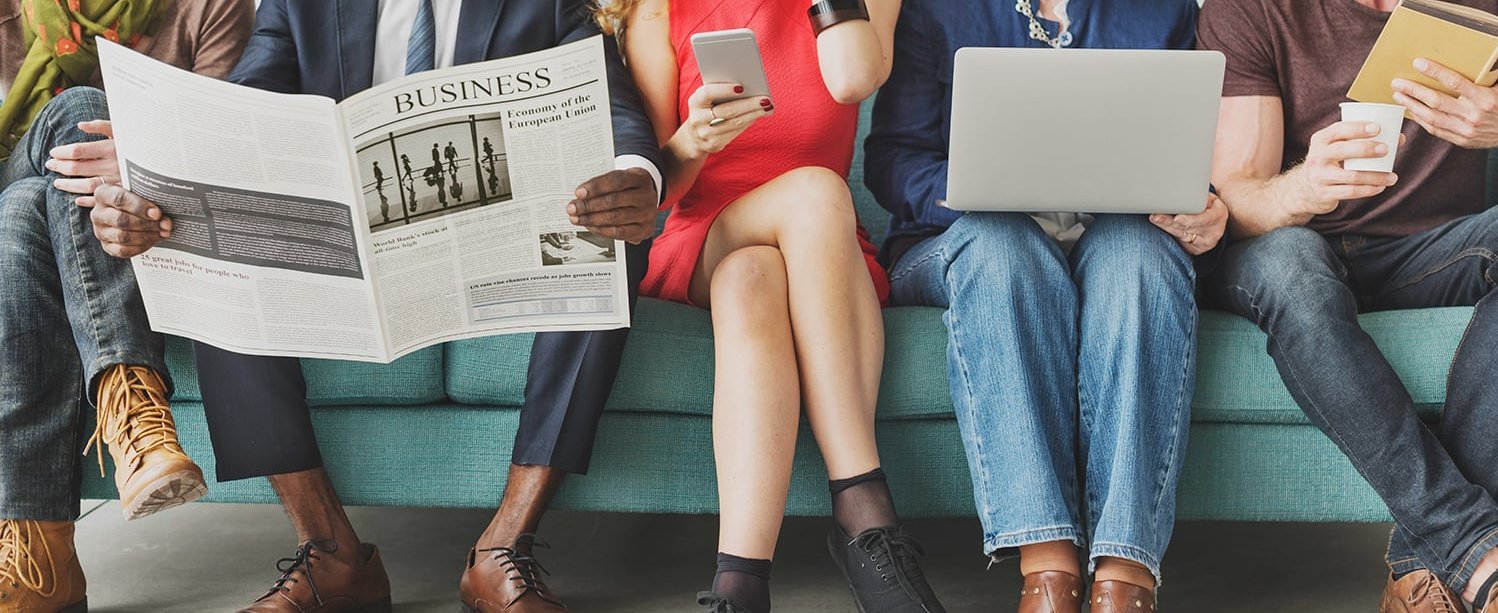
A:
[765,103]
[738,89]
[770,109]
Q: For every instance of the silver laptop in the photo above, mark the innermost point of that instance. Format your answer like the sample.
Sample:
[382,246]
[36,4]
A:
[1083,131]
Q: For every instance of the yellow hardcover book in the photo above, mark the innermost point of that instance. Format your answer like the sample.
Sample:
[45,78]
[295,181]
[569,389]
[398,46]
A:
[1458,37]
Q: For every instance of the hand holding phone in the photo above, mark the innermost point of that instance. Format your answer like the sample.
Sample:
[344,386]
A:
[731,57]
[734,94]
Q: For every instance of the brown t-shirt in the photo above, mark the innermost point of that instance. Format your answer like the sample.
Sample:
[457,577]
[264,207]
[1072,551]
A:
[1307,53]
[204,36]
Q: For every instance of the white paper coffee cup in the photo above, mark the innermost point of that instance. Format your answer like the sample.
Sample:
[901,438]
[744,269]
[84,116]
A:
[1390,118]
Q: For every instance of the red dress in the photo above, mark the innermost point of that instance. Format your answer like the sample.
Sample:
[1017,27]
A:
[808,128]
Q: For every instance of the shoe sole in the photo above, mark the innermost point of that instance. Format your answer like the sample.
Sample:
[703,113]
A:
[169,491]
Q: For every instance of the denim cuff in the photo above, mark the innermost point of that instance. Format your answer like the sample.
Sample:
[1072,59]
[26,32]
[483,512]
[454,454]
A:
[1002,547]
[109,360]
[1406,566]
[1475,555]
[1125,552]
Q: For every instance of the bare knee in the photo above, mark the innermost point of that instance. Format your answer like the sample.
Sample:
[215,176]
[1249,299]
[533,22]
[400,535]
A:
[749,288]
[820,205]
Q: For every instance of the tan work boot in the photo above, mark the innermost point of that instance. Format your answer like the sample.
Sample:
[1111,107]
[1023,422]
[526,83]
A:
[39,570]
[151,471]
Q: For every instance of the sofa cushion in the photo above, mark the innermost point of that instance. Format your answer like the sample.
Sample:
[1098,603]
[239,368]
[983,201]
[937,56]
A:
[414,379]
[1237,382]
[668,367]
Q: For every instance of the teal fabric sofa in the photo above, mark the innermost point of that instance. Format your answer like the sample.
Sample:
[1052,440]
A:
[435,428]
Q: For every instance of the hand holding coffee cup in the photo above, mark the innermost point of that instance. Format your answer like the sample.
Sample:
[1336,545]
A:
[1332,174]
[1390,120]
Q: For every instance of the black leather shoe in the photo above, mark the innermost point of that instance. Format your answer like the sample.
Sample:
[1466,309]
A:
[883,569]
[719,604]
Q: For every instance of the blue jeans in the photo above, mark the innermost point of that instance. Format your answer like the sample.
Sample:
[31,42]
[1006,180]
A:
[1306,291]
[68,311]
[1071,376]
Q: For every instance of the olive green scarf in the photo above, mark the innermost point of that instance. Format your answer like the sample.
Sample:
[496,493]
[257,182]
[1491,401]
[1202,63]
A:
[60,52]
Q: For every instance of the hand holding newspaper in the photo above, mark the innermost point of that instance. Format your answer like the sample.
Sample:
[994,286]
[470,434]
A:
[425,210]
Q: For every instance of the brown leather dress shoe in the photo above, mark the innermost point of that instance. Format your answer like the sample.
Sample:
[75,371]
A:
[507,580]
[316,582]
[1121,597]
[1051,592]
[39,570]
[1420,592]
[151,471]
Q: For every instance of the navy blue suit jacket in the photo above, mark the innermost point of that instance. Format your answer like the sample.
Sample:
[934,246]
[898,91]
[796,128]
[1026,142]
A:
[326,48]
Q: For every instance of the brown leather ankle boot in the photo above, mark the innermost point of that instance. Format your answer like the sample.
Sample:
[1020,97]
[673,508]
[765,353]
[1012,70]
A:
[1051,592]
[151,471]
[1121,597]
[39,570]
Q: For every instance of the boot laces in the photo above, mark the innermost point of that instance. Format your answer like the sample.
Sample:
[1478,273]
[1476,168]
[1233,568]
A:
[134,417]
[894,556]
[19,565]
[523,569]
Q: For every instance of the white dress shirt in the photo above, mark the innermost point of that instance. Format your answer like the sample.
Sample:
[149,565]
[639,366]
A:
[393,38]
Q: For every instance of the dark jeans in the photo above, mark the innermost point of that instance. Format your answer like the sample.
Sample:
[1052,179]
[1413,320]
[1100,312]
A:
[68,311]
[1306,290]
[260,423]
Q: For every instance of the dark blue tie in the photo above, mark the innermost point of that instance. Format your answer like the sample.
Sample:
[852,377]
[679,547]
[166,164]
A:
[421,55]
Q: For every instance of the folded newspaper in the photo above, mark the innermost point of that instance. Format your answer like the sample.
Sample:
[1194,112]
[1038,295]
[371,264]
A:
[421,211]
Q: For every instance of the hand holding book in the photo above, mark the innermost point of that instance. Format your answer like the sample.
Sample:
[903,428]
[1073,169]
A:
[1440,61]
[1468,119]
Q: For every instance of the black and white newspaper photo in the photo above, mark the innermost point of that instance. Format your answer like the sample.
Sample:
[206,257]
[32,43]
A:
[425,210]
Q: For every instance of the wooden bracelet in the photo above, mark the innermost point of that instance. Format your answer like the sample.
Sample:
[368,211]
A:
[828,13]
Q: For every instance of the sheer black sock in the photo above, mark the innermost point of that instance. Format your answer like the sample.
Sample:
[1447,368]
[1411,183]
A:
[863,503]
[1485,592]
[744,581]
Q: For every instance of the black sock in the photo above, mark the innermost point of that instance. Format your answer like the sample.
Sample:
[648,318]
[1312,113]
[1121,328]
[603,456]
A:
[744,581]
[1398,576]
[1484,592]
[863,503]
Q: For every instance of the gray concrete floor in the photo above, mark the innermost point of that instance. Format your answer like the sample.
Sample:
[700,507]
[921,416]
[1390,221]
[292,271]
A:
[216,557]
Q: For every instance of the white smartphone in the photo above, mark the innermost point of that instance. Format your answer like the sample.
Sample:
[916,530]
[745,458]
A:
[731,56]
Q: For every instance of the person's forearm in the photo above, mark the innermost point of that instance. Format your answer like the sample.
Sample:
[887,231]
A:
[683,163]
[854,62]
[855,56]
[1258,206]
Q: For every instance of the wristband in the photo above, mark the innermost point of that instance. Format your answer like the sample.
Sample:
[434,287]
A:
[827,13]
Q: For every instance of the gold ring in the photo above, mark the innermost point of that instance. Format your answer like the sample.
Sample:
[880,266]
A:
[717,121]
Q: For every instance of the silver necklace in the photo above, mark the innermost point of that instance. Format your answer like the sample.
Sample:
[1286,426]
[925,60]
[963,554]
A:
[1037,29]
